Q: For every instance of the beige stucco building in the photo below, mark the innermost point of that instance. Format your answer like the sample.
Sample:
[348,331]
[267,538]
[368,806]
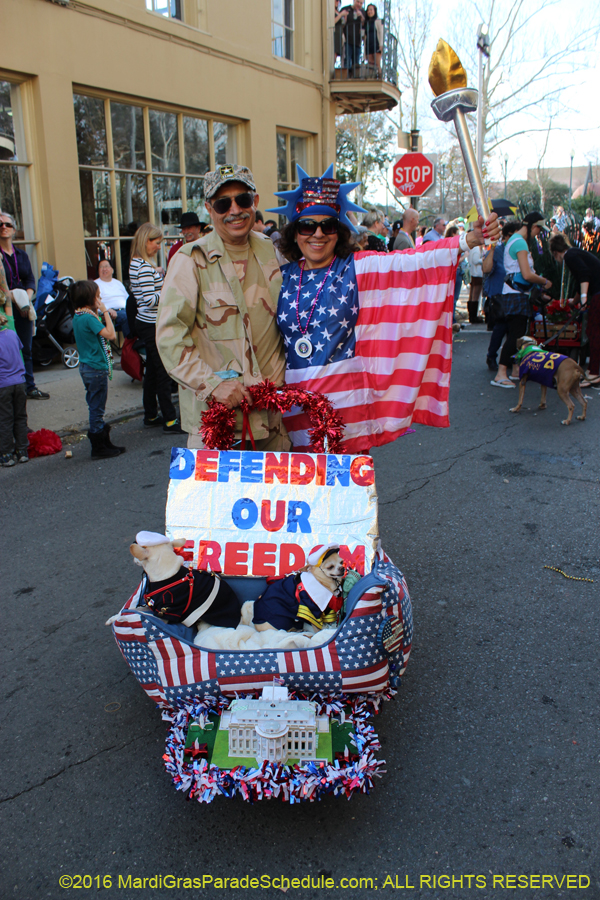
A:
[111,111]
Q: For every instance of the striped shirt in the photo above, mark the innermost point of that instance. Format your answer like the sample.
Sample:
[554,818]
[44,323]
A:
[146,284]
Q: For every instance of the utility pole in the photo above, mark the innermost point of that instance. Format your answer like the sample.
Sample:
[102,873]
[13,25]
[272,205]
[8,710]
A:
[505,174]
[443,186]
[571,180]
[483,45]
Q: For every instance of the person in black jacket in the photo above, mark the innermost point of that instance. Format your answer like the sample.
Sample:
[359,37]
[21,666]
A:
[19,275]
[585,267]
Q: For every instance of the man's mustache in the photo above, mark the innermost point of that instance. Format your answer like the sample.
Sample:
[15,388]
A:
[237,218]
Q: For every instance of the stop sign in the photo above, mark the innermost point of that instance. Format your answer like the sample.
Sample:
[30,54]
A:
[413,174]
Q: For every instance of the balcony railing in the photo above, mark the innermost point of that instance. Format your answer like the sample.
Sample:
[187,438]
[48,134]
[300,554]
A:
[354,63]
[351,59]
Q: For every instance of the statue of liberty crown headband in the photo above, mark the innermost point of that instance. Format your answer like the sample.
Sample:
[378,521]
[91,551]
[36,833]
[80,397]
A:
[324,196]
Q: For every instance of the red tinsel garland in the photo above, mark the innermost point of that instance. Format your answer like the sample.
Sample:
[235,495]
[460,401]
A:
[218,422]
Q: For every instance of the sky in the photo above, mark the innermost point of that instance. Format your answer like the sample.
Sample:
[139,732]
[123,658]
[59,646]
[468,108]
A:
[576,126]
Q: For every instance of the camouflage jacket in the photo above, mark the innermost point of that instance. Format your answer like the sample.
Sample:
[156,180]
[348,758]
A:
[203,325]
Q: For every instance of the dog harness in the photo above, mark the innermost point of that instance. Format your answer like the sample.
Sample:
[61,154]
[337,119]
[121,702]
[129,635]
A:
[539,365]
[190,597]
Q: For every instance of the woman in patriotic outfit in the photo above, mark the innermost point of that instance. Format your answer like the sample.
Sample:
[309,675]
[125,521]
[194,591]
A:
[370,330]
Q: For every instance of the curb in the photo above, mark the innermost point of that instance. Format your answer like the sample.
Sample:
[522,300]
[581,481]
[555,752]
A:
[72,430]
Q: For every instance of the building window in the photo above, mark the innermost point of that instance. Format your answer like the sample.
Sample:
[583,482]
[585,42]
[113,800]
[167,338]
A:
[15,164]
[140,164]
[282,28]
[291,149]
[170,9]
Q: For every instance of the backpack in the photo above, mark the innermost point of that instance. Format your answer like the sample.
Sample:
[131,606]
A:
[131,361]
[131,311]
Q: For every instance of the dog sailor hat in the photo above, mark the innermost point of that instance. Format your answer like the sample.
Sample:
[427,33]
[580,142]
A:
[150,538]
[316,557]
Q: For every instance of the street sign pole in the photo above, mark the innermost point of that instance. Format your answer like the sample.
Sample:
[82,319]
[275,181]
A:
[414,148]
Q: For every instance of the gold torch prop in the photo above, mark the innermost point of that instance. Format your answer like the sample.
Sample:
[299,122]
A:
[448,81]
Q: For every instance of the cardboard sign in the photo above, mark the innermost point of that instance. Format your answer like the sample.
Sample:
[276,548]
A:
[245,512]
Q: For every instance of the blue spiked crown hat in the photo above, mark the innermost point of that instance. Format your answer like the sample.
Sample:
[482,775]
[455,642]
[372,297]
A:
[324,196]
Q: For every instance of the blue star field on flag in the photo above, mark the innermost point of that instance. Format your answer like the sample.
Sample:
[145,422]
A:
[331,326]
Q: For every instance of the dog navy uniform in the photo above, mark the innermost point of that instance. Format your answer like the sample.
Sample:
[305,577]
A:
[286,604]
[170,599]
[540,366]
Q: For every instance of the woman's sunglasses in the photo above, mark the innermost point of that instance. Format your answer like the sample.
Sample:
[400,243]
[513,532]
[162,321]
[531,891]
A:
[308,227]
[223,204]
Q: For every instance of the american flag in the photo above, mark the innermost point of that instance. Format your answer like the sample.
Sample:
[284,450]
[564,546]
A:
[170,668]
[396,602]
[381,333]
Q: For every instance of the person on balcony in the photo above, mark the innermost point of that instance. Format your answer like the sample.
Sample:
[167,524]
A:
[373,37]
[338,32]
[354,21]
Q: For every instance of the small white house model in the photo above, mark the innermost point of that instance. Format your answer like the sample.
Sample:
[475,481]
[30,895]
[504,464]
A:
[273,728]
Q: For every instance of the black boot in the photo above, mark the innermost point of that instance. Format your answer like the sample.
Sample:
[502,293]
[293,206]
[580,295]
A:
[99,447]
[108,441]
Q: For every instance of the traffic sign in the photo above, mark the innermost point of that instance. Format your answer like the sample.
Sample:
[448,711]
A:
[413,174]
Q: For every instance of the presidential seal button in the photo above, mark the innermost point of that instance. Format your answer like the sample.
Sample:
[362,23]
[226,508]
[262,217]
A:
[303,347]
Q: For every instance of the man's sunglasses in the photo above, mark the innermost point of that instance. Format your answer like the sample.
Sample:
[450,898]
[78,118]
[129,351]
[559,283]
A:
[6,225]
[308,227]
[223,204]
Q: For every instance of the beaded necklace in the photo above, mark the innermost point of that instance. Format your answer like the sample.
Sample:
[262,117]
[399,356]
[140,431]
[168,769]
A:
[303,345]
[85,310]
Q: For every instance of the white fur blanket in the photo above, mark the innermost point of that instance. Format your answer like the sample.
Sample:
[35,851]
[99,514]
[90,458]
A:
[246,637]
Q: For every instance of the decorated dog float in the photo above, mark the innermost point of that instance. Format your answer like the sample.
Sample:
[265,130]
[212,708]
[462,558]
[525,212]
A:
[269,624]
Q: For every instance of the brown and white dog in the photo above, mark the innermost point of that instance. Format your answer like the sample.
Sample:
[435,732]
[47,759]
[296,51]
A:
[563,370]
[308,595]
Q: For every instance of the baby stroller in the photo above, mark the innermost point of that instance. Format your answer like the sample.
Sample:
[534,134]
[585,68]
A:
[54,330]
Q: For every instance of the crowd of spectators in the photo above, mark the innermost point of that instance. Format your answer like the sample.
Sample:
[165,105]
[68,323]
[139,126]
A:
[498,277]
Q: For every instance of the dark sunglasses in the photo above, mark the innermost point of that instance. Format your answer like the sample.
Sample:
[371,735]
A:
[223,204]
[6,225]
[308,227]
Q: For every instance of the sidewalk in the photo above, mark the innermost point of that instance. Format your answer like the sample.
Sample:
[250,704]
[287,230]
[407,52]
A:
[66,411]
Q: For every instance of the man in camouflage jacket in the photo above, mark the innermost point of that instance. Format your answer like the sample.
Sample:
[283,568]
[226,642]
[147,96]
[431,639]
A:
[216,327]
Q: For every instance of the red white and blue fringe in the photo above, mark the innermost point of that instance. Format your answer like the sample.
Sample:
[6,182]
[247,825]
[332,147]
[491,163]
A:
[291,784]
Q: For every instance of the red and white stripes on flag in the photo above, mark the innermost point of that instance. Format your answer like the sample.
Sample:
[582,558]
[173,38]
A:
[368,604]
[373,678]
[400,373]
[129,627]
[321,659]
[180,663]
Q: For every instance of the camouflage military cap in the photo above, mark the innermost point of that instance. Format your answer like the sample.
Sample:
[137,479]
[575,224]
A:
[224,175]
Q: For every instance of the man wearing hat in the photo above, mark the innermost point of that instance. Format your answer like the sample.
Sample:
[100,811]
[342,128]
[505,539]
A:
[191,228]
[216,328]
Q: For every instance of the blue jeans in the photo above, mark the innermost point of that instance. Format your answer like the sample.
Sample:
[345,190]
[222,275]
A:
[498,332]
[352,57]
[121,323]
[457,287]
[96,392]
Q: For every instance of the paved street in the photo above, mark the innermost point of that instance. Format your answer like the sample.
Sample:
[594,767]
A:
[491,743]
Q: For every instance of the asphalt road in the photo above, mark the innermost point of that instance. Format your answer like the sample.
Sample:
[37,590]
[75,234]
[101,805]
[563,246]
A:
[491,743]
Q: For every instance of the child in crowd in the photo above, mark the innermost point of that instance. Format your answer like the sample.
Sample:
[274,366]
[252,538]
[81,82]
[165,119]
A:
[13,399]
[94,329]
